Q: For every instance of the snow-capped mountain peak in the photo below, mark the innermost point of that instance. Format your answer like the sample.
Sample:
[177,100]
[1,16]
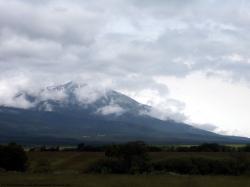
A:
[77,96]
[67,86]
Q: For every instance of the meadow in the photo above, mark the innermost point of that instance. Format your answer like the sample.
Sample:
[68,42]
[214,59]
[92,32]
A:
[68,169]
[77,162]
[86,180]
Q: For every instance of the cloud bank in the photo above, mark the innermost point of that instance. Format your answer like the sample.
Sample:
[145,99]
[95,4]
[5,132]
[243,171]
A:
[119,39]
[123,44]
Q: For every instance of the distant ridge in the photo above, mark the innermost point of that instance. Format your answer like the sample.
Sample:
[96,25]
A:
[72,112]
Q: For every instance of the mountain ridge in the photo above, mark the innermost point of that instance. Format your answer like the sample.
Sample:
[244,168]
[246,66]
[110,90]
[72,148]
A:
[74,112]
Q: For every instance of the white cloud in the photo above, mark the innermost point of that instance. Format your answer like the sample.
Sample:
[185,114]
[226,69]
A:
[125,44]
[53,95]
[111,109]
[210,100]
[8,90]
[89,94]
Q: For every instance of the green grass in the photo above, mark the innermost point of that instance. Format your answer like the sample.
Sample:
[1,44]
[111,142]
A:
[77,162]
[65,161]
[122,180]
[68,167]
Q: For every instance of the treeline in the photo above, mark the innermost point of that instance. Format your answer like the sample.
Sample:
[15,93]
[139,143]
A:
[205,147]
[13,158]
[82,147]
[133,158]
[203,166]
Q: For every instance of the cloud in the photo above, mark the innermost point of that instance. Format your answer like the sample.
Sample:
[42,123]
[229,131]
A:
[46,94]
[122,44]
[207,127]
[167,109]
[89,94]
[166,114]
[111,109]
[9,89]
[104,38]
[107,40]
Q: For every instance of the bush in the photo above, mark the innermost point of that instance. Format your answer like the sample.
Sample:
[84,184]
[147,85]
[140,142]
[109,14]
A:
[154,149]
[89,148]
[180,165]
[203,166]
[131,157]
[13,158]
[245,148]
[206,147]
[42,166]
[107,166]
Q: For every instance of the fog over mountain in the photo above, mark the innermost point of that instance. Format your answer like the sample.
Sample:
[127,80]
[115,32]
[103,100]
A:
[82,94]
[74,112]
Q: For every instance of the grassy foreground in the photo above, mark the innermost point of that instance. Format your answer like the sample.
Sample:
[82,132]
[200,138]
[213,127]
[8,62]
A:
[83,180]
[67,169]
[77,162]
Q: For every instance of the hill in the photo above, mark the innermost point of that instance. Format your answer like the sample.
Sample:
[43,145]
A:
[71,113]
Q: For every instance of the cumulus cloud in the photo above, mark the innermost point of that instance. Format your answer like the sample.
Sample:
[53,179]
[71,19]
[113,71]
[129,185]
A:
[111,109]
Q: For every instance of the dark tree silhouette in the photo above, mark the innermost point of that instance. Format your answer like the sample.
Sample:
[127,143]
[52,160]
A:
[13,157]
[132,155]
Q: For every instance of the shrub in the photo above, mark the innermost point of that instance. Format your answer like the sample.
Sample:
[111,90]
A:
[245,148]
[107,166]
[2,170]
[205,147]
[131,157]
[203,166]
[13,158]
[42,166]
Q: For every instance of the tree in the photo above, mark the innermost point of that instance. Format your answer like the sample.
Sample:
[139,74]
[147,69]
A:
[13,157]
[133,155]
[81,147]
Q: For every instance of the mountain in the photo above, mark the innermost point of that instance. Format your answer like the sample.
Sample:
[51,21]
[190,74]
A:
[72,113]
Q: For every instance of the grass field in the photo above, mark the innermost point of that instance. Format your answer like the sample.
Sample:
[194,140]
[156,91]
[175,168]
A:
[77,162]
[84,180]
[67,169]
[65,162]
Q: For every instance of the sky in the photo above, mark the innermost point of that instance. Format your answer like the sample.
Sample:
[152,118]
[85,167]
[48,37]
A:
[188,59]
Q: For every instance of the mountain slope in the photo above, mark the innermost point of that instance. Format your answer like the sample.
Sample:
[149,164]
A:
[72,113]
